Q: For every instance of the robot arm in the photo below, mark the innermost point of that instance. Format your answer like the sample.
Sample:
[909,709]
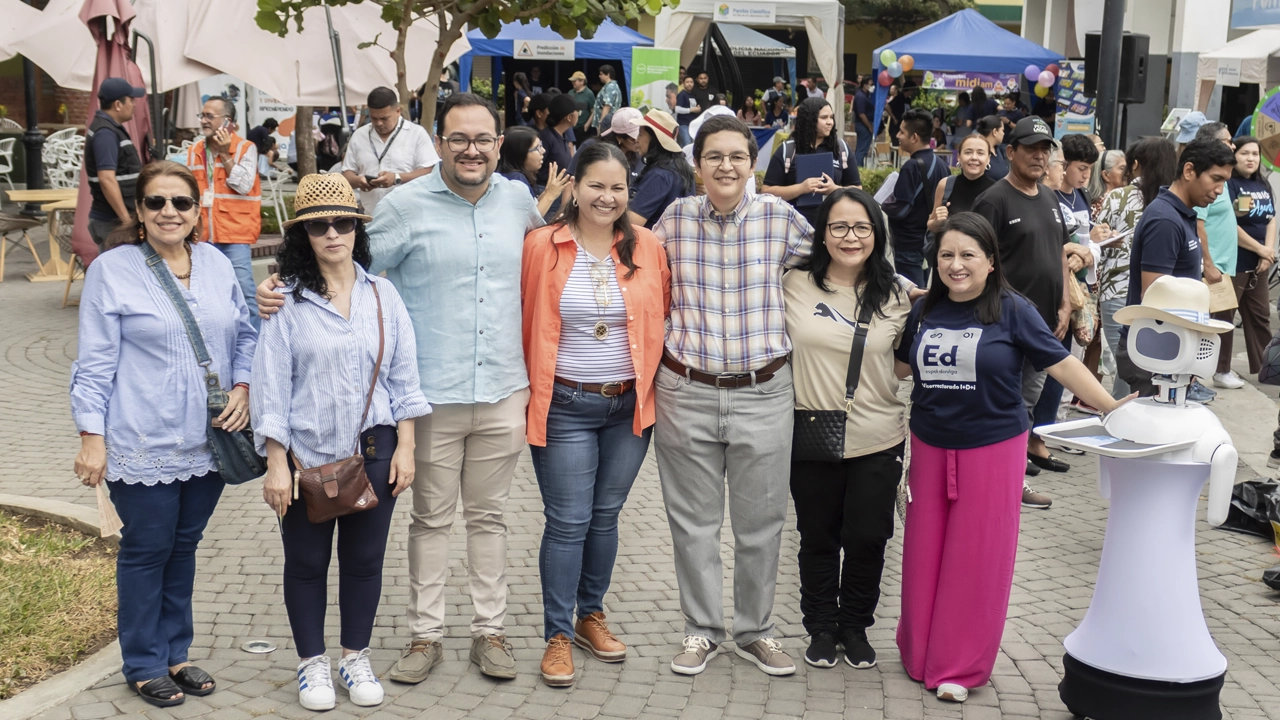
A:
[1222,477]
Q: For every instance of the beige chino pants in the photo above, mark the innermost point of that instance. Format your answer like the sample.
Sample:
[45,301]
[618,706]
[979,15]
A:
[467,450]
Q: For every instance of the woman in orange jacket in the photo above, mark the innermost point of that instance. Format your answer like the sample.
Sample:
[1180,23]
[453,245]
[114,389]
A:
[595,290]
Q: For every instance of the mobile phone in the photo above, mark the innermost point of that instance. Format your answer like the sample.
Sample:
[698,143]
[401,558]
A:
[226,123]
[370,178]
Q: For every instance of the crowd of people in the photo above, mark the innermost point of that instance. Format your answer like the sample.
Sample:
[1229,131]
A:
[585,300]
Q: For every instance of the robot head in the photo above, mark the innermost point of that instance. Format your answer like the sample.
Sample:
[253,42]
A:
[1171,332]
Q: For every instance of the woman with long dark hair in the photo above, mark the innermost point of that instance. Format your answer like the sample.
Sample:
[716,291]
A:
[519,159]
[777,113]
[815,132]
[991,128]
[846,502]
[1255,213]
[1151,164]
[965,346]
[748,112]
[982,106]
[520,84]
[667,175]
[340,330]
[595,290]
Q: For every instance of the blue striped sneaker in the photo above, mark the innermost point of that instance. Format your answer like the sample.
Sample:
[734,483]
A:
[361,683]
[315,683]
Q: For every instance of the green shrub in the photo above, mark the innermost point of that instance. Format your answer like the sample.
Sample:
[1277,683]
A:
[872,179]
[269,224]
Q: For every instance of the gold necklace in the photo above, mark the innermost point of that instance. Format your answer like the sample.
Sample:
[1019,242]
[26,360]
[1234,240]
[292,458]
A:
[187,246]
[600,287]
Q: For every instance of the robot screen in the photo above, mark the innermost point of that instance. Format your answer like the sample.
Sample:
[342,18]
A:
[1164,348]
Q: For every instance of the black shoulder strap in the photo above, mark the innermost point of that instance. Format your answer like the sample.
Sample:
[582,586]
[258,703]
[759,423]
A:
[854,375]
[950,186]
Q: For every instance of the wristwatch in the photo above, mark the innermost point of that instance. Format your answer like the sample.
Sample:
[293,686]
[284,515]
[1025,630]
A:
[397,178]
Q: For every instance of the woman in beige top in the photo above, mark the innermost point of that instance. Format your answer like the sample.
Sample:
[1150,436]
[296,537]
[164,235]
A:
[848,504]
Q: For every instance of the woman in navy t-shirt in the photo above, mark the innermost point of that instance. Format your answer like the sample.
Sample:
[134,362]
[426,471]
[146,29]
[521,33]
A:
[968,339]
[1255,212]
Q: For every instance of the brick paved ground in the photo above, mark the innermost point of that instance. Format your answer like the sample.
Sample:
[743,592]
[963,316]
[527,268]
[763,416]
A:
[238,591]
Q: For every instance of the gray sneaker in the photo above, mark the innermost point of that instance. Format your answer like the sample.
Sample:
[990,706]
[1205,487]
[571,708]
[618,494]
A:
[493,655]
[416,663]
[769,656]
[693,659]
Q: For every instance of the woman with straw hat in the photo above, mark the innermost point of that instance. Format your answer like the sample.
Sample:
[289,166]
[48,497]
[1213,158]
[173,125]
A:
[667,176]
[311,380]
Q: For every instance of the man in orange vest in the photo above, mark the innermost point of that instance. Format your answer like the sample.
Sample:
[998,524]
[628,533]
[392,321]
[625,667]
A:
[226,167]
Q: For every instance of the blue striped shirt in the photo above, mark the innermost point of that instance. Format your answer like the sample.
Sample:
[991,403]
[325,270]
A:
[135,379]
[312,370]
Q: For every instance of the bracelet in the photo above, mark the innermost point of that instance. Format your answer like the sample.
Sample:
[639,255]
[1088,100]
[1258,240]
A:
[83,433]
[243,385]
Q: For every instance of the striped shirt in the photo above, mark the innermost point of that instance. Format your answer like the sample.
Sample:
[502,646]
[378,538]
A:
[312,369]
[726,280]
[581,357]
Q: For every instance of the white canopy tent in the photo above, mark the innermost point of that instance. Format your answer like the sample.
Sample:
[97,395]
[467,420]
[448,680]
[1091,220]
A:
[1257,55]
[685,26]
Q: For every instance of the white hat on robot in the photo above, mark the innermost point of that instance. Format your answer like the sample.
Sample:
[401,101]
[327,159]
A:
[1180,301]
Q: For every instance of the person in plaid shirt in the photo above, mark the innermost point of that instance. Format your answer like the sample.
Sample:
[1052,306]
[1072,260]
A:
[723,396]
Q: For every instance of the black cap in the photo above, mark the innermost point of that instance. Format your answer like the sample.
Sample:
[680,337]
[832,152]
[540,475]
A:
[541,101]
[112,89]
[1029,131]
[562,106]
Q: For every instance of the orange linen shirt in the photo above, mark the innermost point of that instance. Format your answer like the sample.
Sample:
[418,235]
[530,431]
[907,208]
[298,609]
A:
[549,255]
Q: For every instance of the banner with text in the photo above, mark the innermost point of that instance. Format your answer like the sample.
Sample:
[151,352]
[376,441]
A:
[542,49]
[993,83]
[266,106]
[1254,13]
[1076,111]
[746,12]
[652,69]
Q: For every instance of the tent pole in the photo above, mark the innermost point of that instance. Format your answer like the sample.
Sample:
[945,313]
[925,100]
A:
[1109,72]
[337,69]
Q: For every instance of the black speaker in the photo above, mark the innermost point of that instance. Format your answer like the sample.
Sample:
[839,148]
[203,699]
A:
[1133,66]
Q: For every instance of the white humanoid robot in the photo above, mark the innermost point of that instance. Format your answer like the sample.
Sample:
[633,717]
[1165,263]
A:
[1143,650]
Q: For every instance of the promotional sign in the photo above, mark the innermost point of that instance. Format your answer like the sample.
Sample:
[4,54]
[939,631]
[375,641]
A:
[1254,13]
[1077,113]
[543,50]
[1266,127]
[652,69]
[746,12]
[1229,72]
[266,106]
[227,88]
[992,83]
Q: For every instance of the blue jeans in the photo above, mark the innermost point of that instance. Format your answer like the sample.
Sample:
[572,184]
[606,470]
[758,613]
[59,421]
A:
[1111,336]
[156,569]
[864,144]
[241,259]
[909,263]
[584,473]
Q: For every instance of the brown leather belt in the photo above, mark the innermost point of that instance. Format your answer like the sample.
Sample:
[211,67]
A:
[727,380]
[609,389]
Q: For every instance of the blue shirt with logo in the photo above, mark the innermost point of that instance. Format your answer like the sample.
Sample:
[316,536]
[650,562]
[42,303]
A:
[1164,242]
[968,376]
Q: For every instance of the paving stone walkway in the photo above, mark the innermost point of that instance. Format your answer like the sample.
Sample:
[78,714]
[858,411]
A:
[238,592]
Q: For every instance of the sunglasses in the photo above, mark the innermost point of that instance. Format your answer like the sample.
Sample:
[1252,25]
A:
[156,203]
[320,228]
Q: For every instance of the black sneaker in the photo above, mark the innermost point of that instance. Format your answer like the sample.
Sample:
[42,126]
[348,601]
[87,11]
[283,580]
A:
[1273,460]
[857,651]
[822,650]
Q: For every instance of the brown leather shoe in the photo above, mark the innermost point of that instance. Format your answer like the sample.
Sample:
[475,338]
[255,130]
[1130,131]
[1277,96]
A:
[557,662]
[592,634]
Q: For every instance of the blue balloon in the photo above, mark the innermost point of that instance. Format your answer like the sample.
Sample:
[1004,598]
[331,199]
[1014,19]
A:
[895,69]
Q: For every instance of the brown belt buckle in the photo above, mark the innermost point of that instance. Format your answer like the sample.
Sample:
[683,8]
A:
[728,378]
[616,387]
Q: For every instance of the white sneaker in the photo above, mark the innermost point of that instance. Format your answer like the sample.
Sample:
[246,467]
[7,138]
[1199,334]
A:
[362,684]
[1229,380]
[315,683]
[952,692]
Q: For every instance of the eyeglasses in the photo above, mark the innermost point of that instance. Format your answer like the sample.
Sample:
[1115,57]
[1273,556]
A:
[484,143]
[320,228]
[736,159]
[862,231]
[540,149]
[208,116]
[156,203]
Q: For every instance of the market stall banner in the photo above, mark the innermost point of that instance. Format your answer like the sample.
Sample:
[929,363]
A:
[652,69]
[1076,111]
[993,83]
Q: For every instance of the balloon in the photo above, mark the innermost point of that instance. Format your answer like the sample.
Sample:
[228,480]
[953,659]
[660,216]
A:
[885,80]
[1047,79]
[1041,91]
[888,57]
[894,70]
[1053,68]
[907,62]
[1032,73]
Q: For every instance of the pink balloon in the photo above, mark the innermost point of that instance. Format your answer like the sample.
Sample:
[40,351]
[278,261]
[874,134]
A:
[885,80]
[1032,72]
[1047,79]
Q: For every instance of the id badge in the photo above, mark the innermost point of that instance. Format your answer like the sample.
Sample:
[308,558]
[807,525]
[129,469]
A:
[206,200]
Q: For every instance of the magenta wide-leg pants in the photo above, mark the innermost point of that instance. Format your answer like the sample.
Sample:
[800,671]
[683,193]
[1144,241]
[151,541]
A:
[957,559]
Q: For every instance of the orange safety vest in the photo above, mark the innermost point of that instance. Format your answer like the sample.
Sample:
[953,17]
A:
[234,218]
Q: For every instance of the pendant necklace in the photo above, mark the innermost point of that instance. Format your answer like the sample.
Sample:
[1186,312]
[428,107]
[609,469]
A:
[600,286]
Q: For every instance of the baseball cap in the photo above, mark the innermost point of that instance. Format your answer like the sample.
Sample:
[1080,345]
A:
[626,121]
[562,106]
[1189,126]
[114,88]
[777,80]
[1029,131]
[577,75]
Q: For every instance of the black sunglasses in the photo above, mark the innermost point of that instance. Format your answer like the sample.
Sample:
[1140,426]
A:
[320,228]
[156,203]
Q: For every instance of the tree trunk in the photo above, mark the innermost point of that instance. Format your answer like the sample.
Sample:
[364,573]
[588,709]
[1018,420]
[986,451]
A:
[397,56]
[449,34]
[303,130]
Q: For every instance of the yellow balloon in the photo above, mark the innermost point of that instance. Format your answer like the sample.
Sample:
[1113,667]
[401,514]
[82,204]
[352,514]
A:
[1041,91]
[907,62]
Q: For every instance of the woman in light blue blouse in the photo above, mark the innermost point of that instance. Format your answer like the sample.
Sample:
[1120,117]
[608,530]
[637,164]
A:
[139,400]
[312,375]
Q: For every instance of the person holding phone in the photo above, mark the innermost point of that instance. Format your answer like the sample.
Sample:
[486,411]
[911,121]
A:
[387,152]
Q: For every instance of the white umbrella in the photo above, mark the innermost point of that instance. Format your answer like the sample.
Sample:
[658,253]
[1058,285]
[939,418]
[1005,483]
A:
[165,23]
[298,68]
[16,20]
[60,45]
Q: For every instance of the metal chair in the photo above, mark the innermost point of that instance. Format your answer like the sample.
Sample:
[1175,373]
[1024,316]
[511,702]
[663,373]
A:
[64,225]
[10,224]
[6,158]
[9,124]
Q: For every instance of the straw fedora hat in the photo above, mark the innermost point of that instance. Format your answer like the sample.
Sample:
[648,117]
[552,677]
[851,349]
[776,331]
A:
[664,128]
[1179,301]
[324,195]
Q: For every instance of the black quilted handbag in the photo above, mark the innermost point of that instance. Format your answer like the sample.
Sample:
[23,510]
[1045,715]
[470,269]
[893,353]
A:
[818,435]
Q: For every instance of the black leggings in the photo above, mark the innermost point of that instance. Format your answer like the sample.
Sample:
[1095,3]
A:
[362,543]
[848,506]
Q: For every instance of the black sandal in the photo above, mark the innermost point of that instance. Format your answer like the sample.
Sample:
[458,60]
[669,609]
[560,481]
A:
[161,692]
[192,680]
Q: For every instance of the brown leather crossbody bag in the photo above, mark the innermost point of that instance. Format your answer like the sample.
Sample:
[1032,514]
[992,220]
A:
[342,487]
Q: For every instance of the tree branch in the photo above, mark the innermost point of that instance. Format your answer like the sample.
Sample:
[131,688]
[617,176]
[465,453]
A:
[531,12]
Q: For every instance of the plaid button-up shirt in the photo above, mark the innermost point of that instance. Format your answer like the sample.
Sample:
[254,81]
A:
[726,280]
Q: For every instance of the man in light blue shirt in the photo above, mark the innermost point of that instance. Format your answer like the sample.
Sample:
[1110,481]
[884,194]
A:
[452,243]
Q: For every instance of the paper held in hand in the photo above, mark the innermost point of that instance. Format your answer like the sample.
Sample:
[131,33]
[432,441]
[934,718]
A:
[108,520]
[1222,295]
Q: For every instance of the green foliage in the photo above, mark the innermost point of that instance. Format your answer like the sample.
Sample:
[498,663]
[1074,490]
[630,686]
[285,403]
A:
[484,87]
[872,179]
[269,224]
[901,16]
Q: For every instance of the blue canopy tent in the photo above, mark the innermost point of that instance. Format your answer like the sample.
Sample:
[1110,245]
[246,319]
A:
[949,46]
[611,42]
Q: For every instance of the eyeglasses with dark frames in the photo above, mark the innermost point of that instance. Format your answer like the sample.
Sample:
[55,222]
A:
[862,231]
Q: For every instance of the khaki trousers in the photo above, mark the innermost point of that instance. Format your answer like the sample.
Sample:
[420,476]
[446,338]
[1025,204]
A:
[469,450]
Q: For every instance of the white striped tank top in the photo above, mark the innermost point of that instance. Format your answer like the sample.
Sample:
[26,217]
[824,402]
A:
[590,297]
